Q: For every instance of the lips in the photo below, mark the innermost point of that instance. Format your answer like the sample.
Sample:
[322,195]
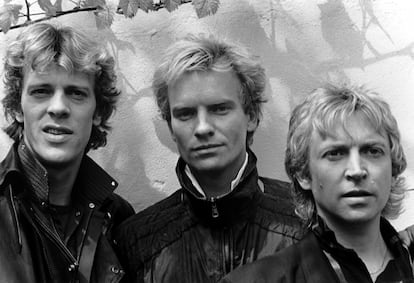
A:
[206,147]
[57,130]
[357,193]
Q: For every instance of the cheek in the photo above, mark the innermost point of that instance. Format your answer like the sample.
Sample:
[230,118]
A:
[180,137]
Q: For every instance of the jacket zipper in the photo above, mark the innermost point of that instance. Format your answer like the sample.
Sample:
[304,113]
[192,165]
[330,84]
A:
[49,233]
[227,250]
[214,210]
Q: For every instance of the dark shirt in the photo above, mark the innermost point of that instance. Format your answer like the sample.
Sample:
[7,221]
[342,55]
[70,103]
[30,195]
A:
[352,266]
[319,258]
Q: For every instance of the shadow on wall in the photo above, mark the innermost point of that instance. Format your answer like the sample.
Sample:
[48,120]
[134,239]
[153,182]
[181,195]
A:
[125,159]
[124,153]
[297,70]
[349,46]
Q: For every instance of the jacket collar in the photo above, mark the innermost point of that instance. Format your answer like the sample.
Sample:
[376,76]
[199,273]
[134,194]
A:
[328,240]
[187,184]
[9,165]
[232,207]
[93,184]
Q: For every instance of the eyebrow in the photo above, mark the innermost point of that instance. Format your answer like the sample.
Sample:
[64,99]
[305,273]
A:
[76,87]
[39,85]
[346,144]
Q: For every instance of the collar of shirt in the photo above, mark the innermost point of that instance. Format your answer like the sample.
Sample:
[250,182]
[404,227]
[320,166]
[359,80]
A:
[233,184]
[353,268]
[92,186]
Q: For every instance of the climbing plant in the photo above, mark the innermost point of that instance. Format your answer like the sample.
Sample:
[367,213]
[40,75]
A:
[14,15]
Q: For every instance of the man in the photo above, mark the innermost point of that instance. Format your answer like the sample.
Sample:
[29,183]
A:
[57,206]
[344,158]
[225,215]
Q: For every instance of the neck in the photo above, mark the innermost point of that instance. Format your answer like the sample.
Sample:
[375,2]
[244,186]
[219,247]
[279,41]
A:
[217,182]
[214,183]
[356,236]
[61,183]
[366,240]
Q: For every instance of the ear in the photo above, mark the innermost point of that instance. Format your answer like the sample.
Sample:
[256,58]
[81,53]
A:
[394,180]
[97,119]
[304,182]
[252,123]
[19,116]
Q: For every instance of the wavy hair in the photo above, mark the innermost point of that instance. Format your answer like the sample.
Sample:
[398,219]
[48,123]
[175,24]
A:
[321,110]
[203,54]
[43,44]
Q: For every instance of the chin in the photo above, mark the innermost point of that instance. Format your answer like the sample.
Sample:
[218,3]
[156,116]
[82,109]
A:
[359,219]
[57,159]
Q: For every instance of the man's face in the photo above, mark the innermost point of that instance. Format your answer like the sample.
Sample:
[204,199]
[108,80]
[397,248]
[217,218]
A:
[57,112]
[351,172]
[208,122]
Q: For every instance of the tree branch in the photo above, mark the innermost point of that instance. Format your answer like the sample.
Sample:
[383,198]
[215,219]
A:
[27,10]
[58,14]
[155,6]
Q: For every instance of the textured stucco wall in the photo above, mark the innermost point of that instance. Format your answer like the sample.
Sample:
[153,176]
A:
[301,43]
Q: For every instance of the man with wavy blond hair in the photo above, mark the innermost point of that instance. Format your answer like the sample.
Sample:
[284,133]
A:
[224,215]
[345,159]
[57,206]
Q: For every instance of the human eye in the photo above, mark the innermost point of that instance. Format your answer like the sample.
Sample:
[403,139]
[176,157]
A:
[334,154]
[220,109]
[40,92]
[373,151]
[77,94]
[183,114]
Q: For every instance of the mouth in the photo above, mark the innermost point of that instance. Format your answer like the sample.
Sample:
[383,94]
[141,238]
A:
[206,147]
[57,130]
[357,193]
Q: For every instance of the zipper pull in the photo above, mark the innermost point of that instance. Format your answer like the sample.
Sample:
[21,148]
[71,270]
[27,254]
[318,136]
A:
[214,210]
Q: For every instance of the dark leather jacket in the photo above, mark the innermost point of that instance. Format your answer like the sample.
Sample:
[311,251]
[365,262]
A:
[31,249]
[319,258]
[186,238]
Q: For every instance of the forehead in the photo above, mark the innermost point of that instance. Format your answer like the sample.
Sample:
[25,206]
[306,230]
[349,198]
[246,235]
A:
[355,129]
[57,75]
[205,87]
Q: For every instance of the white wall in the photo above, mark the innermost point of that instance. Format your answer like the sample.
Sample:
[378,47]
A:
[301,43]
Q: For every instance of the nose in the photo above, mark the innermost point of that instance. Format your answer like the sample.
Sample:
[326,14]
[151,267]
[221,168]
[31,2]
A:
[204,126]
[356,170]
[58,105]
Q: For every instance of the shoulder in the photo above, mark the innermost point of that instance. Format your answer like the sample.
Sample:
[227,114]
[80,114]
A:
[277,197]
[160,211]
[276,205]
[275,268]
[152,229]
[277,188]
[159,220]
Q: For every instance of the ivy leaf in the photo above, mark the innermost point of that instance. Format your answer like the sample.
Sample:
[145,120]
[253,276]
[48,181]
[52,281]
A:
[145,5]
[103,17]
[171,5]
[205,8]
[9,14]
[48,7]
[92,3]
[129,7]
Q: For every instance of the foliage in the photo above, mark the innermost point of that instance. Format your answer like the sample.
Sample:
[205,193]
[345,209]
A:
[15,15]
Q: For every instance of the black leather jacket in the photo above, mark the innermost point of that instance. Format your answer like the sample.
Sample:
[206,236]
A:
[319,258]
[186,238]
[31,249]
